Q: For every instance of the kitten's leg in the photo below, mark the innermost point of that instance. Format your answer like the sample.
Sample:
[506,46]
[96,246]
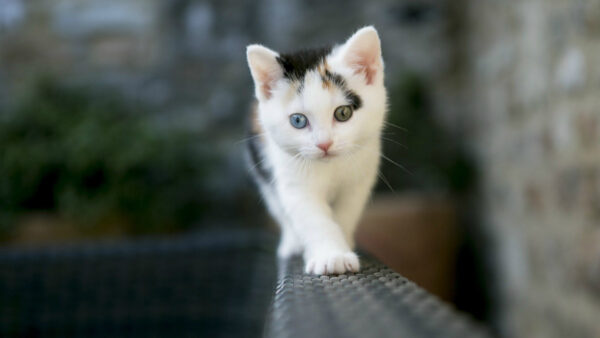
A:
[325,248]
[289,244]
[348,210]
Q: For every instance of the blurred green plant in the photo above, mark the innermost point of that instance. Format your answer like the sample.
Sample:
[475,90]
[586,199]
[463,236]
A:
[92,159]
[427,157]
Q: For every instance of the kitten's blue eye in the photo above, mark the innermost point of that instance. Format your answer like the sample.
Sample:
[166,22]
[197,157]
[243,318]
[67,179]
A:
[298,120]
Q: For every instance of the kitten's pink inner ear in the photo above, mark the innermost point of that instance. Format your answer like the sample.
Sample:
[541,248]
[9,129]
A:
[365,65]
[265,82]
[265,70]
[363,53]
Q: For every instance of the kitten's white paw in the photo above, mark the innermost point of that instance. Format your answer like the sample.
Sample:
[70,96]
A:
[332,263]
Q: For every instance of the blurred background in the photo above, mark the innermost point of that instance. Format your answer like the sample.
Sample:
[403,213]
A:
[126,118]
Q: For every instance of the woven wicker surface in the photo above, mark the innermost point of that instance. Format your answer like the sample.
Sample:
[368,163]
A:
[216,284]
[376,302]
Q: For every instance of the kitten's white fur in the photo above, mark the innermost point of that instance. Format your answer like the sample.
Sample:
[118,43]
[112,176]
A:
[318,201]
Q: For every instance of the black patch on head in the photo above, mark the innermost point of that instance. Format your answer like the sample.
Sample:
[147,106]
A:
[296,64]
[339,82]
[334,78]
[354,99]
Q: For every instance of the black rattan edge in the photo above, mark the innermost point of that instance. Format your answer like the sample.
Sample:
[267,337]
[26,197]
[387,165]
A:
[376,302]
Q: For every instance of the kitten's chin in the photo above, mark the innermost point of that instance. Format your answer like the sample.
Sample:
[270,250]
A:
[323,156]
[320,156]
[328,156]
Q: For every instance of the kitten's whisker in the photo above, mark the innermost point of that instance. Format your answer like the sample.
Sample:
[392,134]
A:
[395,142]
[258,163]
[249,138]
[295,158]
[395,126]
[387,183]
[305,166]
[261,200]
[287,162]
[379,173]
[396,164]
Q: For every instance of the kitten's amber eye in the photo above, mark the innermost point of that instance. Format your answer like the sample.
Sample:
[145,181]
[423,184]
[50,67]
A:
[298,120]
[343,113]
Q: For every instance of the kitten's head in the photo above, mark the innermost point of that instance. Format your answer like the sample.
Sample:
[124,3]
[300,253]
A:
[321,103]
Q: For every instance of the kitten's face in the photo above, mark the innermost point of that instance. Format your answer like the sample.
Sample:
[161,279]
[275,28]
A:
[321,104]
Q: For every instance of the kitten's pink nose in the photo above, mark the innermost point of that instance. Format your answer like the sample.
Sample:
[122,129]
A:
[325,145]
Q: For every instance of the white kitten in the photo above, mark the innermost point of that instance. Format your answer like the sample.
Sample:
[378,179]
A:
[315,153]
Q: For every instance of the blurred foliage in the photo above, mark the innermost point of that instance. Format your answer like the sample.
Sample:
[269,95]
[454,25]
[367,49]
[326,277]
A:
[92,159]
[427,157]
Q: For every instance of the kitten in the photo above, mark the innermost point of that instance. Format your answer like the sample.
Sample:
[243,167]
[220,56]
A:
[316,144]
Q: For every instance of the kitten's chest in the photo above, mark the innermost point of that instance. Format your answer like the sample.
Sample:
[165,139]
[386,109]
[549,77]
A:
[342,176]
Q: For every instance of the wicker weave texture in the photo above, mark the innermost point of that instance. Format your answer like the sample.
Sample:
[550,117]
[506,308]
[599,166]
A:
[376,302]
[216,284]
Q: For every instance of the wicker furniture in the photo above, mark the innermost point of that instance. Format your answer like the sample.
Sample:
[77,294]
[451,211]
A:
[220,283]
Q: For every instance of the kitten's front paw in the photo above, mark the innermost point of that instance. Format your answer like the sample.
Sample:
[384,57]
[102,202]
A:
[332,263]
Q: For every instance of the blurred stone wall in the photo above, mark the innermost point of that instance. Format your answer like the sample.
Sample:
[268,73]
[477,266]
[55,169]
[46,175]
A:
[532,85]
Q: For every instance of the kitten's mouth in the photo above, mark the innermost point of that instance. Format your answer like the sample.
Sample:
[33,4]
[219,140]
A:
[322,156]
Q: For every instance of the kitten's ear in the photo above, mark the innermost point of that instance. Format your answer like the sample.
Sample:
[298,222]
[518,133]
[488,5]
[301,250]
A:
[265,69]
[362,52]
